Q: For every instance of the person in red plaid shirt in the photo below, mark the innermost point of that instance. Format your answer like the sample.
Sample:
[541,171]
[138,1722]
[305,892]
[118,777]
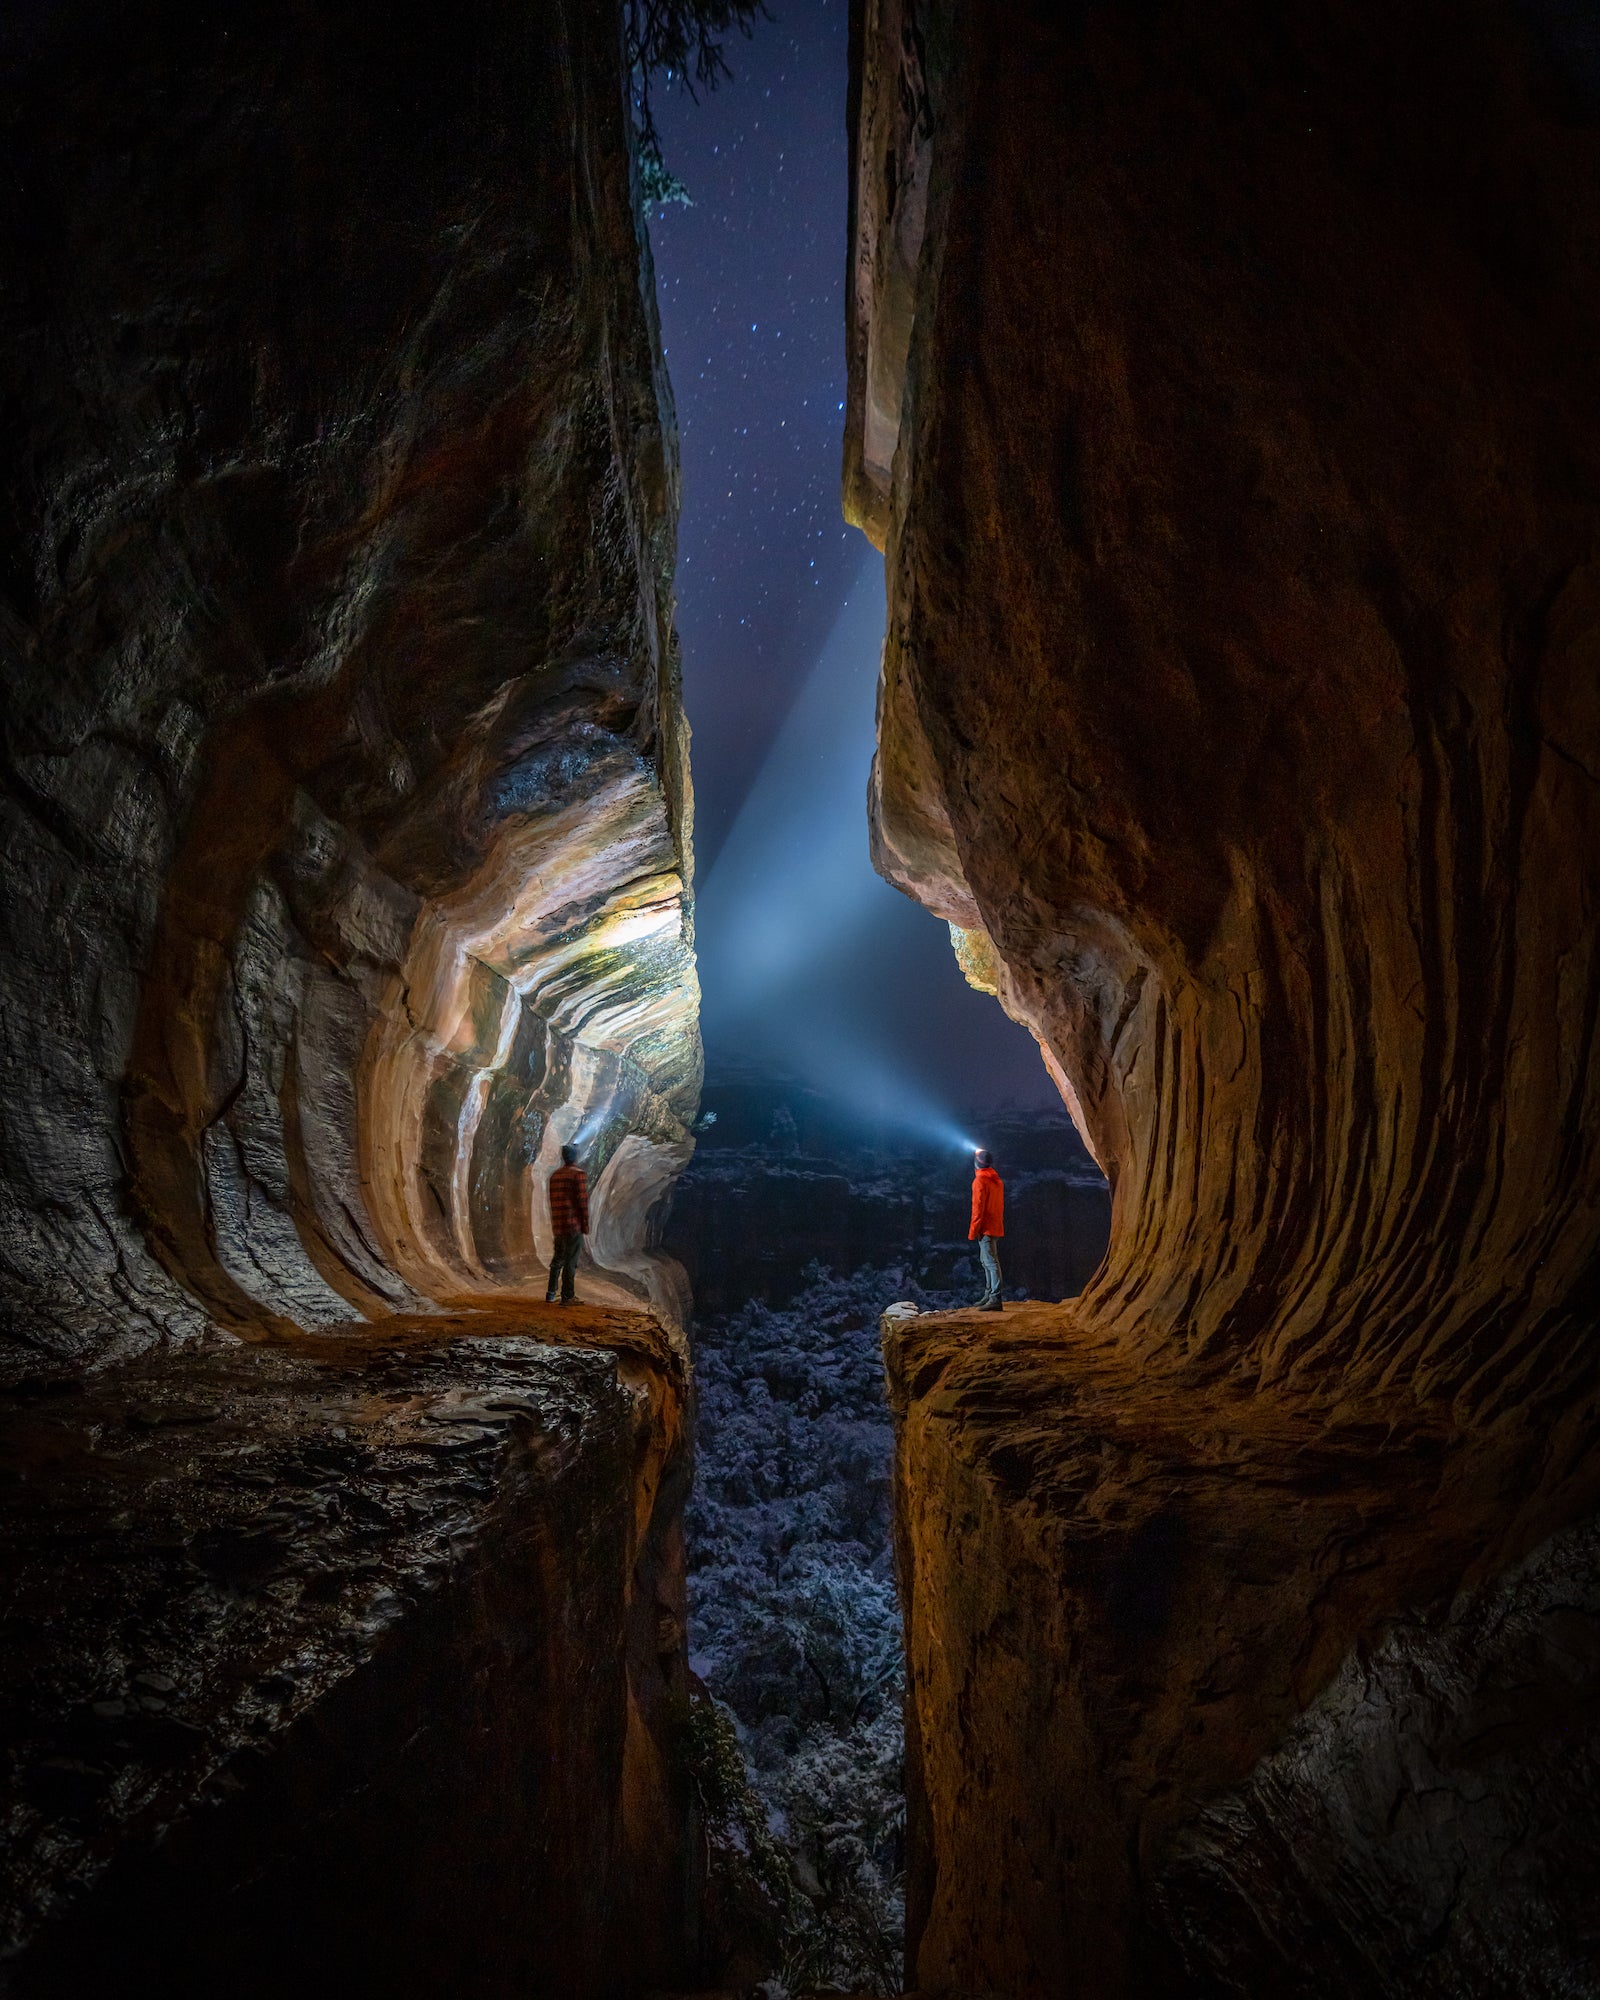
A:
[569,1221]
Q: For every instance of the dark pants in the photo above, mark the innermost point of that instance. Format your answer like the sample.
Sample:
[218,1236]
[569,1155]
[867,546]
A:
[564,1267]
[989,1258]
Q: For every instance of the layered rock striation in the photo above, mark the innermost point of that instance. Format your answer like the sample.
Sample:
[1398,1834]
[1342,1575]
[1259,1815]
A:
[346,803]
[345,814]
[1220,396]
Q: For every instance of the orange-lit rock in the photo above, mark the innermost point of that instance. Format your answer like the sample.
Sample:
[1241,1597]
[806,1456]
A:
[1240,689]
[552,998]
[347,812]
[345,815]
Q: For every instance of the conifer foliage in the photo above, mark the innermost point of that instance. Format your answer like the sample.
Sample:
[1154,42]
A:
[680,40]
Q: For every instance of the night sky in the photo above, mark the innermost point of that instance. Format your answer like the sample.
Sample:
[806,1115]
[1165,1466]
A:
[780,608]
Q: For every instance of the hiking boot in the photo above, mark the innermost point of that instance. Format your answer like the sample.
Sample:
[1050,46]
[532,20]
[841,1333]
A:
[991,1306]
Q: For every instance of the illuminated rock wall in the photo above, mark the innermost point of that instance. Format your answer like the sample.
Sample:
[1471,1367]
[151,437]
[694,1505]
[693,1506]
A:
[1221,395]
[346,834]
[345,803]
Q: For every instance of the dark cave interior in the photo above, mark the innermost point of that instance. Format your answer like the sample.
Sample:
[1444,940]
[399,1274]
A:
[1217,1618]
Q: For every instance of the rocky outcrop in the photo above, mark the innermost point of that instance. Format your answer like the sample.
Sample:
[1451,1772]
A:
[1434,1803]
[346,825]
[345,796]
[347,1664]
[1238,709]
[1234,1686]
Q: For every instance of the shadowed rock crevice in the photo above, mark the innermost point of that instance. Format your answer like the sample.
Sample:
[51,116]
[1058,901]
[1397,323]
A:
[1237,488]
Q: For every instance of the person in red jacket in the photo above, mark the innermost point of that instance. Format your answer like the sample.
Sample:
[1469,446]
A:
[569,1224]
[988,1226]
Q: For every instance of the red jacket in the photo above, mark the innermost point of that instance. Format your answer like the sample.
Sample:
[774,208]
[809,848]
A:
[569,1202]
[988,1205]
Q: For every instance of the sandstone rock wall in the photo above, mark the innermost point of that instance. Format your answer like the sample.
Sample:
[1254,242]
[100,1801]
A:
[344,849]
[1432,1809]
[349,1664]
[345,798]
[1239,709]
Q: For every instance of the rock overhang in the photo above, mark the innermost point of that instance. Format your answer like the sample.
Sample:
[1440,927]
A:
[383,786]
[1219,718]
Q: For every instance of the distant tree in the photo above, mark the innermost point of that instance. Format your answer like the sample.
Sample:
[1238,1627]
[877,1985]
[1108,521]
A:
[680,40]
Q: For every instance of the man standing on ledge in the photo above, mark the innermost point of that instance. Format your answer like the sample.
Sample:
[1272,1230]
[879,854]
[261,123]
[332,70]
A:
[988,1226]
[569,1223]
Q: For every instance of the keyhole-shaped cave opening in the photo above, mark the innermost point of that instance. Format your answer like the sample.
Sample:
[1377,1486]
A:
[1217,387]
[854,1060]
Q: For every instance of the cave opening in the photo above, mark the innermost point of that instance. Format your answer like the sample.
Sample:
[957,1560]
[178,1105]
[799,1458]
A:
[853,1060]
[1217,387]
[810,965]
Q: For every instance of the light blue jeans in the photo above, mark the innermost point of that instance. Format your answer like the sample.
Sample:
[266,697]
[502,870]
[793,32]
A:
[989,1258]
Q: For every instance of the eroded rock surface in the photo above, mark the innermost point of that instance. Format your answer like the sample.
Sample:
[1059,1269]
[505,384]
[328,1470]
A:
[1433,1808]
[346,810]
[348,1664]
[345,815]
[1231,1684]
[1239,713]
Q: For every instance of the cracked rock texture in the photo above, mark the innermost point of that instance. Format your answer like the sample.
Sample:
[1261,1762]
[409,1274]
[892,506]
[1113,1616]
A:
[1445,1779]
[343,782]
[344,851]
[347,1665]
[1220,394]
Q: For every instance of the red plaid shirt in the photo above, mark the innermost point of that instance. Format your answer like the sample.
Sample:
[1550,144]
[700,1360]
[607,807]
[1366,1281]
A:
[569,1202]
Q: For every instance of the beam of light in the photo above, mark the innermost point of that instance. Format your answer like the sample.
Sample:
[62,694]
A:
[793,884]
[870,1080]
[792,906]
